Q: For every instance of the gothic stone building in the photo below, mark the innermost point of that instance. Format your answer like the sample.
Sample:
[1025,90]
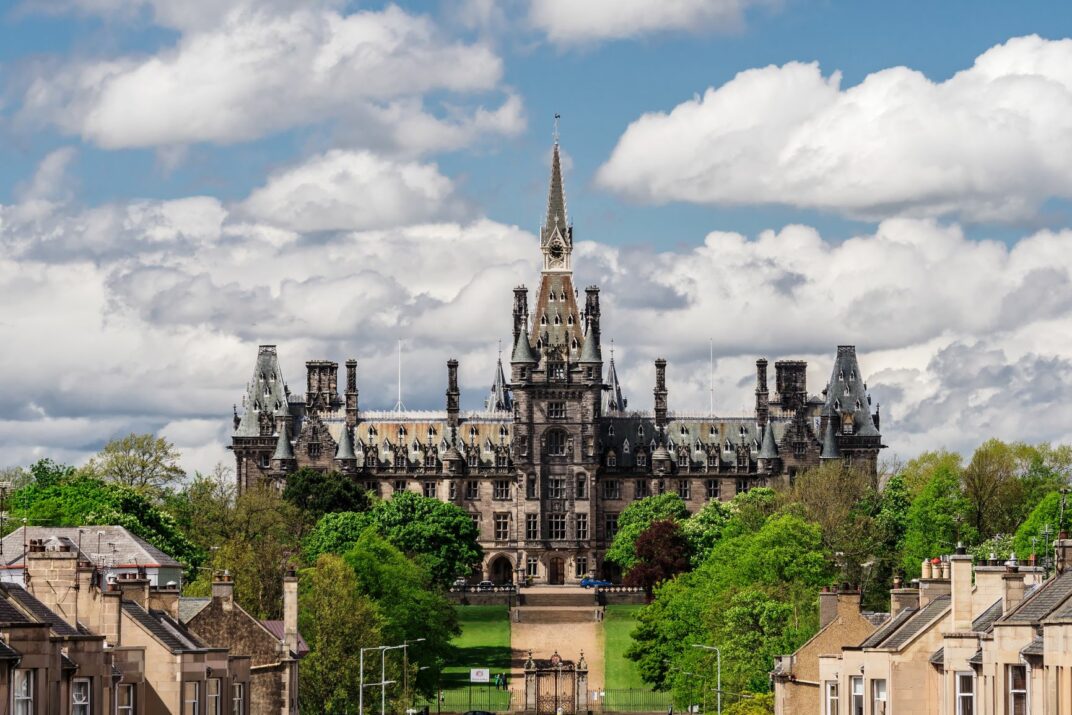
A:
[546,468]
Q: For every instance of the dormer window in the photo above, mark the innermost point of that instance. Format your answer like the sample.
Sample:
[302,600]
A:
[401,434]
[551,297]
[641,459]
[612,460]
[841,376]
[569,320]
[625,447]
[543,320]
[640,431]
[574,344]
[558,320]
[610,431]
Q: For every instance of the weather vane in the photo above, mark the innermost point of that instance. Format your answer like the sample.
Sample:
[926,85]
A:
[557,117]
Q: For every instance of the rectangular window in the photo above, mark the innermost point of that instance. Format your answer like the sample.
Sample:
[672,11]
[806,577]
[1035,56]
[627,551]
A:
[400,486]
[238,699]
[124,699]
[556,410]
[557,526]
[582,566]
[857,684]
[558,370]
[556,443]
[530,488]
[965,693]
[501,489]
[473,458]
[502,527]
[23,692]
[430,460]
[532,527]
[502,458]
[314,450]
[878,697]
[1016,680]
[712,489]
[642,459]
[191,698]
[582,487]
[453,490]
[472,490]
[213,696]
[831,690]
[556,488]
[531,566]
[684,488]
[641,489]
[476,523]
[612,489]
[81,702]
[610,525]
[430,490]
[582,527]
[742,486]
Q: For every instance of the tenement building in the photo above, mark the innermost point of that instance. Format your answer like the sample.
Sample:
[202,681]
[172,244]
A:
[555,455]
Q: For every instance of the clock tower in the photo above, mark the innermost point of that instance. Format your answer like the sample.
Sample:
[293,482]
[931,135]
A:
[556,234]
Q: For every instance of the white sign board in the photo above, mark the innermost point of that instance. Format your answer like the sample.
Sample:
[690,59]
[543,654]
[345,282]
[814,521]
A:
[479,675]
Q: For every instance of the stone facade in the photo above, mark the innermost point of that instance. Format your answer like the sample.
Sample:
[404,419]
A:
[549,464]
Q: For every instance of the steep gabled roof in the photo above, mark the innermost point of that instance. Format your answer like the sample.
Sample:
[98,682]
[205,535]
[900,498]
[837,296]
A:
[919,621]
[847,392]
[1045,600]
[109,546]
[769,448]
[277,629]
[190,607]
[40,612]
[345,450]
[265,392]
[170,633]
[283,449]
[499,398]
[613,400]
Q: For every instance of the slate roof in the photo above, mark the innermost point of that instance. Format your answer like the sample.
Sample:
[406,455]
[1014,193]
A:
[1044,601]
[906,625]
[556,200]
[938,657]
[499,397]
[276,629]
[613,400]
[983,623]
[8,653]
[888,627]
[169,632]
[190,607]
[9,613]
[847,393]
[266,392]
[118,546]
[283,450]
[40,612]
[976,659]
[1034,647]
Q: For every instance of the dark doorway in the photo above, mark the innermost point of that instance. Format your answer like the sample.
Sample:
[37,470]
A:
[612,572]
[556,574]
[501,571]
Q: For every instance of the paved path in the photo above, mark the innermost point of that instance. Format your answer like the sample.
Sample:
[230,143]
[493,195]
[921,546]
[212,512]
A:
[569,639]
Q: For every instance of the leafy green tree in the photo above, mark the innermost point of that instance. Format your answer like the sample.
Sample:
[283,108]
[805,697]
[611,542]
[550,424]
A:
[408,602]
[337,621]
[84,501]
[141,461]
[1048,512]
[917,473]
[637,517]
[940,515]
[750,510]
[760,704]
[704,529]
[438,535]
[318,493]
[662,552]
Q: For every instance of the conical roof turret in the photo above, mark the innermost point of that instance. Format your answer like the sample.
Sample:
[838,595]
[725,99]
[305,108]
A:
[283,450]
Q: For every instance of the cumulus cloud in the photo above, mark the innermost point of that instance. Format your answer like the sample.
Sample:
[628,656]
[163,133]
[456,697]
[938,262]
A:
[987,144]
[258,70]
[572,23]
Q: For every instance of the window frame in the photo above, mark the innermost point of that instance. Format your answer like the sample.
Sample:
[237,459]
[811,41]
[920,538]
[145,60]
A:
[532,527]
[556,410]
[879,694]
[196,702]
[1010,693]
[961,695]
[556,527]
[580,566]
[500,490]
[684,488]
[641,489]
[429,489]
[556,487]
[713,489]
[82,707]
[831,697]
[214,701]
[532,567]
[582,486]
[472,490]
[501,526]
[581,526]
[557,443]
[856,695]
[20,701]
[612,489]
[238,698]
[610,525]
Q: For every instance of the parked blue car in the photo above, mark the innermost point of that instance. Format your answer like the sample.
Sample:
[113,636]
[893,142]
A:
[594,583]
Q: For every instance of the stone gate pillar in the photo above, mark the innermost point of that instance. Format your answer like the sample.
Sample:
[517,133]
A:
[582,685]
[530,684]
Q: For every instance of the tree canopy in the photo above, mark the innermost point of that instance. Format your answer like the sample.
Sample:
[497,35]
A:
[637,517]
[317,493]
[141,461]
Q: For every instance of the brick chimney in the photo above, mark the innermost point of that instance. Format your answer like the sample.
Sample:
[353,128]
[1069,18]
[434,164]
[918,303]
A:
[934,581]
[835,603]
[1013,581]
[902,597]
[290,611]
[1062,552]
[223,589]
[827,606]
[960,566]
[134,587]
[52,575]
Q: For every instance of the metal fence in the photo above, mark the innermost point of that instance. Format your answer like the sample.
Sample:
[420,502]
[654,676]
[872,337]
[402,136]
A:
[460,700]
[628,700]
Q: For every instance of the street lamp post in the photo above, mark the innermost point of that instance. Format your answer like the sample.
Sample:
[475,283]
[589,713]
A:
[361,679]
[718,684]
[405,667]
[383,675]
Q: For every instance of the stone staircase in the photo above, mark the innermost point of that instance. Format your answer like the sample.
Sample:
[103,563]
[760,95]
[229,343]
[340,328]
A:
[553,605]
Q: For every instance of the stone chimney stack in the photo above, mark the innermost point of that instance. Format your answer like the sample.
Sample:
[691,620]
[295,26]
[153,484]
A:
[902,597]
[351,393]
[453,393]
[791,381]
[827,606]
[934,581]
[223,589]
[762,394]
[660,393]
[835,602]
[1013,581]
[1062,552]
[52,575]
[960,565]
[290,611]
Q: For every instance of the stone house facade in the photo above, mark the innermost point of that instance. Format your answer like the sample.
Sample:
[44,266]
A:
[556,455]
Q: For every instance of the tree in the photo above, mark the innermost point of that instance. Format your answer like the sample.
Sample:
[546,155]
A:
[991,486]
[142,461]
[258,540]
[662,552]
[76,500]
[918,472]
[754,629]
[938,518]
[409,605]
[337,621]
[318,493]
[760,704]
[438,535]
[1048,513]
[637,517]
[704,529]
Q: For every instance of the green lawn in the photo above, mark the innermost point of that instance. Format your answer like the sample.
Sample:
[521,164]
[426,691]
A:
[619,671]
[483,643]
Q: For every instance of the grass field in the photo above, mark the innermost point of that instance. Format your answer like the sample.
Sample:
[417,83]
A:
[619,671]
[483,643]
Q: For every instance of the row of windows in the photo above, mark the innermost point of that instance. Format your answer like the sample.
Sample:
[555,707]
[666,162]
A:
[532,565]
[1016,694]
[554,527]
[611,489]
[23,696]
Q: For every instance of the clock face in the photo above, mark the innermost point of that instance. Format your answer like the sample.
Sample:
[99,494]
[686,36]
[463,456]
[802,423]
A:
[556,251]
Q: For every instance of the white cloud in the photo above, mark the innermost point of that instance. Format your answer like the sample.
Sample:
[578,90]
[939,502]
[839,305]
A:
[988,143]
[568,22]
[352,190]
[260,70]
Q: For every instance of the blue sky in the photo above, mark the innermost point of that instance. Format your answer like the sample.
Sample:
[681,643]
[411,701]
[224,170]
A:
[181,182]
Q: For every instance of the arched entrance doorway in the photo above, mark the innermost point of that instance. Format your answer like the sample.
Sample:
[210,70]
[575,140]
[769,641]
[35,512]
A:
[556,571]
[501,570]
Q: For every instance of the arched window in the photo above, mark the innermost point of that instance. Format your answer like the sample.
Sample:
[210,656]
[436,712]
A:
[610,431]
[556,442]
[543,320]
[569,320]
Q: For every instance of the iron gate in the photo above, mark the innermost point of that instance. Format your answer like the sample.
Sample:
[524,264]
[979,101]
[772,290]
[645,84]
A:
[557,688]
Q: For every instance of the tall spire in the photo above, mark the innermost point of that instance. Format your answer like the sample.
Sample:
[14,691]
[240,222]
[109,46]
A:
[556,195]
[613,401]
[499,397]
